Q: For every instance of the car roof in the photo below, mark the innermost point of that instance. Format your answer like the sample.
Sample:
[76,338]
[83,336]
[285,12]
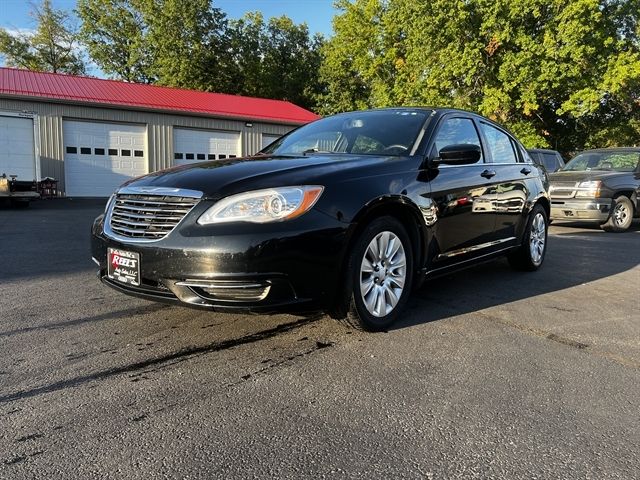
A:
[541,150]
[613,149]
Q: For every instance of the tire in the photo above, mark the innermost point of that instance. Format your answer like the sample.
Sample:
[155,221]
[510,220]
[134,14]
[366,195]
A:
[530,255]
[376,298]
[621,215]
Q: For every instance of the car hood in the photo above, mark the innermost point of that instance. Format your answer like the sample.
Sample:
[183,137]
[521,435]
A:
[220,178]
[568,176]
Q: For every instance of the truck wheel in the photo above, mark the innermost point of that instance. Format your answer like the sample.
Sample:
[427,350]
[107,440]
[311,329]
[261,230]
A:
[380,275]
[530,255]
[621,215]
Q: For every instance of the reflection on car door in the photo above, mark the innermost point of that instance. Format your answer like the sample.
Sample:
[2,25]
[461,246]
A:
[462,194]
[510,184]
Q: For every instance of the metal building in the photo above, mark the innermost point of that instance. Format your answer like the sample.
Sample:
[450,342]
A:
[92,134]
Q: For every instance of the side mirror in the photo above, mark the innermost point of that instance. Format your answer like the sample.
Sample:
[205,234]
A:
[460,154]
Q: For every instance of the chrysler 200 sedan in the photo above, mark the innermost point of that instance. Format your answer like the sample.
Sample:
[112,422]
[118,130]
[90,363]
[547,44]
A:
[346,215]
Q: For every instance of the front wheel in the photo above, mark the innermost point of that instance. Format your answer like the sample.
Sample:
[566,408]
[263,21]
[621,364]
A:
[379,276]
[530,255]
[621,215]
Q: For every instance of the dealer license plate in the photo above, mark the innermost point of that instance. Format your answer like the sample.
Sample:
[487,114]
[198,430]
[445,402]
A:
[123,266]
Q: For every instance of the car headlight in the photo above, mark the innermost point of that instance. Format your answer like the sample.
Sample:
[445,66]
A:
[262,206]
[590,188]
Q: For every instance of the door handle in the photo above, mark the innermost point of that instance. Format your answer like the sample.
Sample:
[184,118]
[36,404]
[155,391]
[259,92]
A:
[488,173]
[525,171]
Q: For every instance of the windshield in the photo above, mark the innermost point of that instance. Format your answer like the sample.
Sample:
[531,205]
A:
[607,161]
[382,132]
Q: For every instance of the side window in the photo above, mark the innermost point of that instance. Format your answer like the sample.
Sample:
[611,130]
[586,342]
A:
[498,144]
[550,162]
[526,155]
[455,131]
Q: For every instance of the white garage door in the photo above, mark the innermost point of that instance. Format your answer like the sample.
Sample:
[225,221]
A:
[98,157]
[17,148]
[197,145]
[268,139]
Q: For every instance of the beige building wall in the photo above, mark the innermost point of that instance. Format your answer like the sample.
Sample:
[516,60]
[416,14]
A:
[49,116]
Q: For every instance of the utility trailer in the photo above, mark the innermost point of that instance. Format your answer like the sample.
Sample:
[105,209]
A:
[19,166]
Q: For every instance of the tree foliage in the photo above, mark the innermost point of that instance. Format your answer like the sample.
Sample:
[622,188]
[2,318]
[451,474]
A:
[560,74]
[115,35]
[53,47]
[191,44]
[275,59]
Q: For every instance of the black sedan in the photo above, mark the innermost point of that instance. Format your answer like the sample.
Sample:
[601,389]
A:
[346,215]
[601,186]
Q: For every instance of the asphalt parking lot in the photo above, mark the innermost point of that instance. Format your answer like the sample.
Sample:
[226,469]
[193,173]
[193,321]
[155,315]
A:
[491,373]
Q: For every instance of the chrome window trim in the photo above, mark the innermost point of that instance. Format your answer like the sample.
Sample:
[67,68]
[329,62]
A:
[513,164]
[151,191]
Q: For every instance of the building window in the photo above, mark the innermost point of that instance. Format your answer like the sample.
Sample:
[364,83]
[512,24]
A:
[189,156]
[201,156]
[138,153]
[85,150]
[113,152]
[98,151]
[125,153]
[212,156]
[222,157]
[72,149]
[232,156]
[177,156]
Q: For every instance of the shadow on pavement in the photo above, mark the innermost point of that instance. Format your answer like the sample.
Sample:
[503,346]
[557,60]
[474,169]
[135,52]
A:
[573,258]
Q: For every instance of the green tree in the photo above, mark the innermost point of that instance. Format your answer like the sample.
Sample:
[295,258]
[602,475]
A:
[178,43]
[52,48]
[276,59]
[189,42]
[560,74]
[114,32]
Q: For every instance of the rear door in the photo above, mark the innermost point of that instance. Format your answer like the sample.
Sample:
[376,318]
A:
[464,195]
[509,183]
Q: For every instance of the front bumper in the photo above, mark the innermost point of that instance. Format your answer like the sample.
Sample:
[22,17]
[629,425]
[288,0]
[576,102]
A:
[291,266]
[588,209]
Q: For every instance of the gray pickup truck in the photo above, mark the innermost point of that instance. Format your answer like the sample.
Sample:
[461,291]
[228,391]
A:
[600,186]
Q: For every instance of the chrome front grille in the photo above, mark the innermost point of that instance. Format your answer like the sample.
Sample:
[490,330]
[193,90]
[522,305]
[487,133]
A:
[147,217]
[563,189]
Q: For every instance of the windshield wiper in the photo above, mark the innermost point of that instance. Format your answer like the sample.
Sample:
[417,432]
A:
[315,150]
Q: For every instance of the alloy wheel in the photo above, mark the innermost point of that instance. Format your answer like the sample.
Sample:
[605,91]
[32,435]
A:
[537,238]
[620,214]
[383,273]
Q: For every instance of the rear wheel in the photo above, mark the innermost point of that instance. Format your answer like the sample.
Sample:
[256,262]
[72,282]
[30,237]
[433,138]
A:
[530,255]
[380,274]
[621,215]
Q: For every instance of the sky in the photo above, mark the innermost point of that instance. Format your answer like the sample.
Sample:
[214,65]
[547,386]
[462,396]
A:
[14,14]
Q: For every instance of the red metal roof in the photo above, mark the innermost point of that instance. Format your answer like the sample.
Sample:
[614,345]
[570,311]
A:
[71,88]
